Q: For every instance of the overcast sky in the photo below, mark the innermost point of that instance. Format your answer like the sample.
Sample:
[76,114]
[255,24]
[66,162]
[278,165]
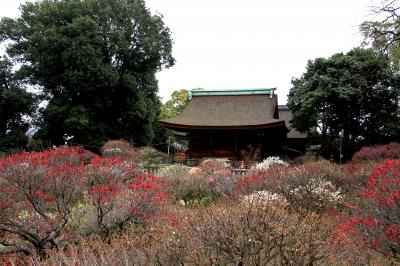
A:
[231,44]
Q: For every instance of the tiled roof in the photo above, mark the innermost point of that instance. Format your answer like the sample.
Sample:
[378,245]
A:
[244,110]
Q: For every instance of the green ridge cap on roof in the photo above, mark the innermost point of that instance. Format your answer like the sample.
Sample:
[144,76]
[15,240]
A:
[244,91]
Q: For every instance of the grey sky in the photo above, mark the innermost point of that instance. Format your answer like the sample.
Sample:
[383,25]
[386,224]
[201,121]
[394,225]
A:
[221,44]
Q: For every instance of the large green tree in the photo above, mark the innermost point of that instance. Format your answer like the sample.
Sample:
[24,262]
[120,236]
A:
[356,92]
[95,61]
[15,105]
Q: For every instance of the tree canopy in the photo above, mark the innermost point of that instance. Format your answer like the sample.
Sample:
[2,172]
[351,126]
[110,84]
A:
[384,34]
[173,107]
[356,92]
[15,103]
[95,62]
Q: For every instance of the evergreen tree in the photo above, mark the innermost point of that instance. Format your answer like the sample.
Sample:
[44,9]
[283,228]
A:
[15,103]
[95,61]
[356,92]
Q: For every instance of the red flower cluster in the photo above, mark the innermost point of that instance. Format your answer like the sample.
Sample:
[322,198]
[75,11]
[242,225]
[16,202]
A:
[119,191]
[377,153]
[257,180]
[376,222]
[38,191]
[384,184]
[41,180]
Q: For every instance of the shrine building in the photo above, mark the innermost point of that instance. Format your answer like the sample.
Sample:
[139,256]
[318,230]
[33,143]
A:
[240,124]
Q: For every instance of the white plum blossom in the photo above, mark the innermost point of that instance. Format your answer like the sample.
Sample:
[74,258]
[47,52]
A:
[271,161]
[321,188]
[263,196]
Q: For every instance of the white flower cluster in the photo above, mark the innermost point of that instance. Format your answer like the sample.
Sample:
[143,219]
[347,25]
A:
[271,161]
[262,196]
[321,188]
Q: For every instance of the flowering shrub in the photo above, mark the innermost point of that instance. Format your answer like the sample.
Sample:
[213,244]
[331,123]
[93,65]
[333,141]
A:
[222,184]
[257,234]
[119,148]
[357,174]
[271,161]
[217,174]
[307,187]
[221,234]
[147,246]
[224,233]
[40,192]
[174,171]
[194,189]
[190,189]
[121,195]
[149,156]
[260,180]
[37,192]
[212,179]
[375,223]
[262,197]
[176,176]
[377,153]
[367,159]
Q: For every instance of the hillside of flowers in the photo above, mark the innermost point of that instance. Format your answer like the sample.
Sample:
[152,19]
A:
[68,206]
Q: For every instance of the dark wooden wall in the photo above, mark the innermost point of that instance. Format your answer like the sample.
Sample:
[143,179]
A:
[235,145]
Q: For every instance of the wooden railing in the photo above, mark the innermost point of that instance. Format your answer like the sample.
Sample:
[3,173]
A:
[238,168]
[234,164]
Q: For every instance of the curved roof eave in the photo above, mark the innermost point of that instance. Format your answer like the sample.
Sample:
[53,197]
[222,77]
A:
[279,123]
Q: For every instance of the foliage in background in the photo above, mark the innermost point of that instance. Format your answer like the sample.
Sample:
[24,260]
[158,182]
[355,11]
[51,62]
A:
[15,103]
[174,106]
[95,62]
[356,92]
[149,156]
